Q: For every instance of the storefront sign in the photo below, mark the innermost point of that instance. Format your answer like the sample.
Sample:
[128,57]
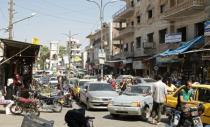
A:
[169,59]
[207,28]
[172,38]
[138,65]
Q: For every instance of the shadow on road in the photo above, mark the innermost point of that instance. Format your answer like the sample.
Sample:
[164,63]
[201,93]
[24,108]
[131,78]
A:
[123,118]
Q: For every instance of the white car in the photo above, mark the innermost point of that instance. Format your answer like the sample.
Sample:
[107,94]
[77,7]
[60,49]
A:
[53,81]
[97,95]
[135,101]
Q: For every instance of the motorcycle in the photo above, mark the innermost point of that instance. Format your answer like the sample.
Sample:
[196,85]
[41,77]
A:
[49,103]
[67,99]
[24,104]
[188,117]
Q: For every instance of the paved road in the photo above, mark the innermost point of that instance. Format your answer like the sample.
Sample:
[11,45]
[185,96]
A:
[103,119]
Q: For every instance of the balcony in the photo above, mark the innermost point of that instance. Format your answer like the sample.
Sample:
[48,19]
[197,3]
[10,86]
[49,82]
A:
[149,52]
[179,8]
[123,55]
[123,13]
[124,33]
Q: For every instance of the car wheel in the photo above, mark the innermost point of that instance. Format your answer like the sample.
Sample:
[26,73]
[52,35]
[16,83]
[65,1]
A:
[146,113]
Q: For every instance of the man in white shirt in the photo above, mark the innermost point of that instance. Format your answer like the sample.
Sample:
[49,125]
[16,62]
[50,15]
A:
[159,97]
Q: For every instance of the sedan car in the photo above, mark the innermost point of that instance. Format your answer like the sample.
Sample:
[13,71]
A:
[138,80]
[135,101]
[96,95]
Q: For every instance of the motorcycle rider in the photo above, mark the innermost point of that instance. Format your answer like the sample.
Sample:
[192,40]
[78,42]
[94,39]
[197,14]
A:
[185,98]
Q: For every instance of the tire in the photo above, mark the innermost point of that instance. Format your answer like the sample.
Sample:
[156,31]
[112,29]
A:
[57,107]
[16,109]
[35,111]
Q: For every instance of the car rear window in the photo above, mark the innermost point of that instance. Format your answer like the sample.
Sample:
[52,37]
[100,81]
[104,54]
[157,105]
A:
[149,80]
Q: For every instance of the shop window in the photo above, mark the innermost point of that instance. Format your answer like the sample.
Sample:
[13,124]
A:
[150,15]
[138,18]
[150,37]
[162,8]
[183,31]
[138,42]
[162,34]
[199,29]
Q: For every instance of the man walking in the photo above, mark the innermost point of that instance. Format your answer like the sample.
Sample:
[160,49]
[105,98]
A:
[159,96]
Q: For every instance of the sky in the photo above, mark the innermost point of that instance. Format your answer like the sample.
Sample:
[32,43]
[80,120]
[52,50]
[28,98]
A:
[54,19]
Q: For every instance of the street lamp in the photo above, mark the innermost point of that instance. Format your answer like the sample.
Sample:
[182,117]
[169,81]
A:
[101,6]
[10,27]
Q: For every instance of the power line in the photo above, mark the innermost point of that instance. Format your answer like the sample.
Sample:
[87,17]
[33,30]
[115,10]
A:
[57,17]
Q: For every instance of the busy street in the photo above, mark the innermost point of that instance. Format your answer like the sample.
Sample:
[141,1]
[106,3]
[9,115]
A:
[103,119]
[105,63]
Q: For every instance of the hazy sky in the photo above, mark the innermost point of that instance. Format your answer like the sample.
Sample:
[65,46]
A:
[54,19]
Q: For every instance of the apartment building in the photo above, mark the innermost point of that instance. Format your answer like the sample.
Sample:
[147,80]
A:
[143,24]
[75,53]
[110,47]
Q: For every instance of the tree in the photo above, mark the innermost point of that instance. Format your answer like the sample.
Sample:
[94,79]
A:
[62,51]
[44,54]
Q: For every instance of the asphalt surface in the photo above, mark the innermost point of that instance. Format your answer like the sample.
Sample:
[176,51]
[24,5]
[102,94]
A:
[102,119]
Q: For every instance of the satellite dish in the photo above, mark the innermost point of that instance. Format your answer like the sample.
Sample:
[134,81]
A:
[1,51]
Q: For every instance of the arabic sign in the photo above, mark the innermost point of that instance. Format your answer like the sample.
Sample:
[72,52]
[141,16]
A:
[172,38]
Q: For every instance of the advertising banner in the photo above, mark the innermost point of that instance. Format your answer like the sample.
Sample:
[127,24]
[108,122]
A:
[172,38]
[207,28]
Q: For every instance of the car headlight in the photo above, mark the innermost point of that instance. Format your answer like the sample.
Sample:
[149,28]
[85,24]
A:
[110,103]
[135,104]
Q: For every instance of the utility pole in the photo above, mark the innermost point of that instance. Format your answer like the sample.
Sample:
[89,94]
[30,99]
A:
[11,14]
[69,53]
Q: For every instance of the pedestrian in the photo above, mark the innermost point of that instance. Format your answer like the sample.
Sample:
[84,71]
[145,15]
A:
[170,87]
[159,96]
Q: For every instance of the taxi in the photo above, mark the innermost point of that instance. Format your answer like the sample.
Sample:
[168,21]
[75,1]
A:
[201,94]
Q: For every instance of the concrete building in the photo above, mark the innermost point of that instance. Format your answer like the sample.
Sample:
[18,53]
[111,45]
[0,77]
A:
[110,47]
[143,24]
[53,55]
[75,54]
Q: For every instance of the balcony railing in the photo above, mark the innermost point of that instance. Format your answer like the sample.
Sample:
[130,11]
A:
[124,12]
[124,32]
[185,7]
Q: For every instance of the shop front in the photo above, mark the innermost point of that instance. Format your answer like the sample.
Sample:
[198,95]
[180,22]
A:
[18,58]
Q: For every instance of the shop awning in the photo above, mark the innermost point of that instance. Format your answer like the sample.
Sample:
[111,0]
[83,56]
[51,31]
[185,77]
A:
[14,48]
[184,47]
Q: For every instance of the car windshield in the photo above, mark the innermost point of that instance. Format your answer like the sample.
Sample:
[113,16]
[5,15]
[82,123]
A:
[149,80]
[100,87]
[135,90]
[81,83]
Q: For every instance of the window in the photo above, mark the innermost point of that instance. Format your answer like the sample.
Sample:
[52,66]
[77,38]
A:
[149,14]
[150,37]
[125,47]
[162,34]
[204,95]
[199,29]
[132,3]
[132,23]
[138,18]
[138,42]
[132,46]
[183,30]
[162,8]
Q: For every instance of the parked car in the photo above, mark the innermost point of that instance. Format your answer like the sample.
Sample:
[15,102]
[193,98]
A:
[201,94]
[97,95]
[135,101]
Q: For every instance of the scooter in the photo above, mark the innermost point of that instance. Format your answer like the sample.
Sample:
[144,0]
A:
[49,103]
